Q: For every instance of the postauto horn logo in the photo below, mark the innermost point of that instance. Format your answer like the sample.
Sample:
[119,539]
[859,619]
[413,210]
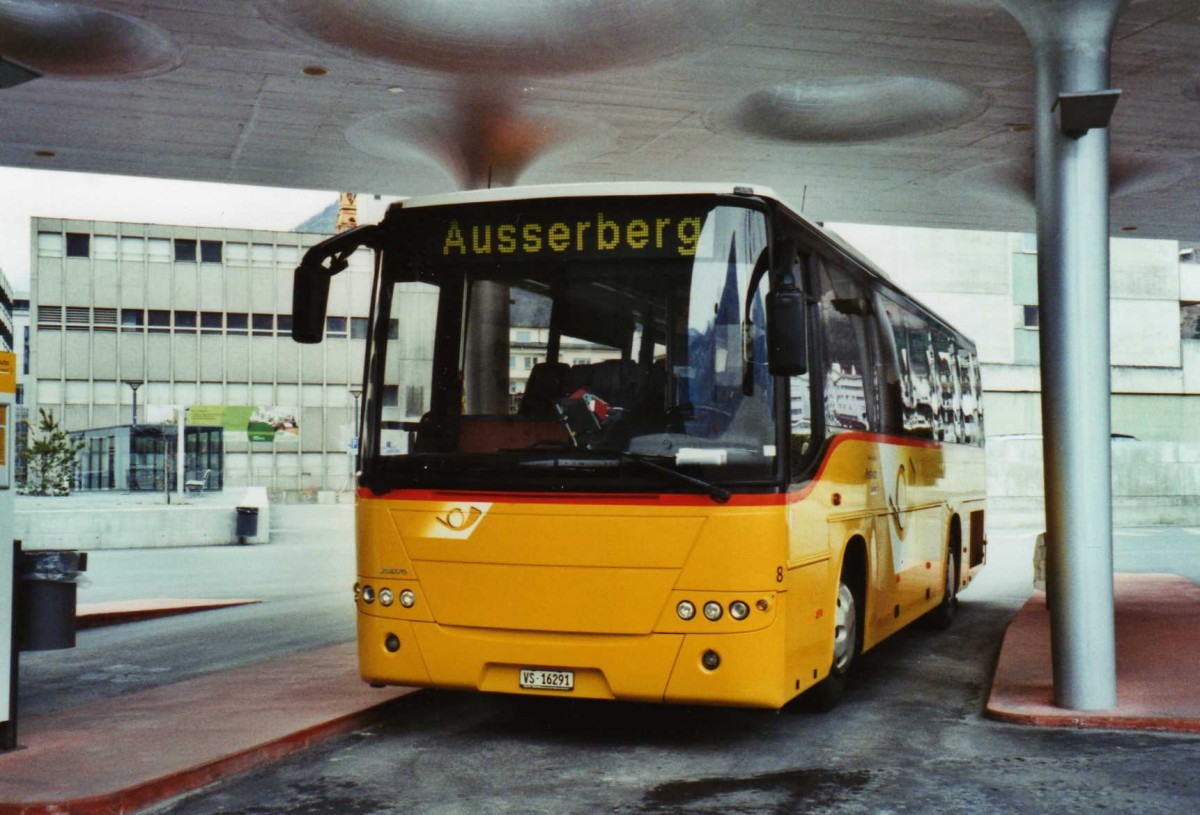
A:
[459,522]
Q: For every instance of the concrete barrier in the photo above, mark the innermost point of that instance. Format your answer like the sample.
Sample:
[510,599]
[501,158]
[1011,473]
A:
[1154,483]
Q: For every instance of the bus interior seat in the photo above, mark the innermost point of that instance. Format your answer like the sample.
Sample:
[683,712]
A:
[617,381]
[547,384]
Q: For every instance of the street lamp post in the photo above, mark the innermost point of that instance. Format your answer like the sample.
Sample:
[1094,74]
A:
[130,472]
[134,384]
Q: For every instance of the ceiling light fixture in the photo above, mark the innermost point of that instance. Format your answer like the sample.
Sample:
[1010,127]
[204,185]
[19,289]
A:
[315,70]
[45,153]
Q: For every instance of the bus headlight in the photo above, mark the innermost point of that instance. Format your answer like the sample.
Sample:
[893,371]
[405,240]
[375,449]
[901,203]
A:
[368,595]
[737,610]
[712,611]
[407,598]
[386,597]
[685,610]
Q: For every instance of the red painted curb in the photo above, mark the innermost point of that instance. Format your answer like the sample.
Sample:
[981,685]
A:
[140,796]
[98,615]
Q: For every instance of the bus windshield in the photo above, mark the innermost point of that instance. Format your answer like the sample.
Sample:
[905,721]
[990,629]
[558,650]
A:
[567,343]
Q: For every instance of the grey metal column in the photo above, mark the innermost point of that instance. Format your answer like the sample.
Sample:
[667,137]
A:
[1071,42]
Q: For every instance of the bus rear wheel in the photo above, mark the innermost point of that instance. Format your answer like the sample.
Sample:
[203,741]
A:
[943,616]
[847,641]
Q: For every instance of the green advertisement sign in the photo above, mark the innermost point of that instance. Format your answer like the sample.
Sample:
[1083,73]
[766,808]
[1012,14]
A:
[260,424]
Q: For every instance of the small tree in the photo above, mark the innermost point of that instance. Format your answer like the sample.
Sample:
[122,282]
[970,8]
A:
[50,457]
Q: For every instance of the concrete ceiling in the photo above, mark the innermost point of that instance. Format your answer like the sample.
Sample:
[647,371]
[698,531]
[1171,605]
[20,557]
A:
[910,112]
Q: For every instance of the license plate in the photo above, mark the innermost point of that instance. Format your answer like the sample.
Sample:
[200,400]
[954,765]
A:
[547,680]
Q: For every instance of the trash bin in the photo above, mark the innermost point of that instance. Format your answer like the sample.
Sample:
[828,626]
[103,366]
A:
[247,523]
[46,599]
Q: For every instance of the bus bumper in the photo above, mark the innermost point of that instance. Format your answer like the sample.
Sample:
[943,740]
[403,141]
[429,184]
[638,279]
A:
[660,667]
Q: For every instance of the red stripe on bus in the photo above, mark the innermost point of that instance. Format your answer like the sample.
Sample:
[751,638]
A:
[644,498]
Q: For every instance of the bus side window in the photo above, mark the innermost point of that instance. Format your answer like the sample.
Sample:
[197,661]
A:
[849,385]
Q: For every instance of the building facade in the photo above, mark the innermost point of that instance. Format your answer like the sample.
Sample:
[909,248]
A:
[186,317]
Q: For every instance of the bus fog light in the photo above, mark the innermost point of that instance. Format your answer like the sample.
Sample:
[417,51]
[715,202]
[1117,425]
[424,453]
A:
[386,597]
[392,643]
[711,660]
[739,610]
[407,598]
[685,610]
[712,611]
[368,595]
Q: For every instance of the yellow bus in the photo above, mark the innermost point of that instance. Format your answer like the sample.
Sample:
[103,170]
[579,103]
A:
[669,443]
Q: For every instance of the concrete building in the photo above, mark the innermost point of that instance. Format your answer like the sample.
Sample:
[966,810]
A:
[200,317]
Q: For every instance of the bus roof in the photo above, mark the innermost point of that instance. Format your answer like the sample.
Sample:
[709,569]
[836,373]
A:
[585,191]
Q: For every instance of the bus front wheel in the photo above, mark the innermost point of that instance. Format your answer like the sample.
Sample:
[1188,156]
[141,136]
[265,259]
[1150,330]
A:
[847,642]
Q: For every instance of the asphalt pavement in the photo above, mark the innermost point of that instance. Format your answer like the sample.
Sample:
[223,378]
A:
[910,735]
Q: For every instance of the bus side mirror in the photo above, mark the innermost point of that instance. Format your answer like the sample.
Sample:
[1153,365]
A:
[787,336]
[310,297]
[310,286]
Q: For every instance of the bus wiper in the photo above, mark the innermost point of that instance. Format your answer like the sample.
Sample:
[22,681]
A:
[716,493]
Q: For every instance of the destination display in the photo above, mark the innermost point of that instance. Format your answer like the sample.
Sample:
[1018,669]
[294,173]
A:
[587,229]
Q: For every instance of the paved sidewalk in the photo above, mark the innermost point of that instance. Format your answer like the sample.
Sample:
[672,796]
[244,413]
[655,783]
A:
[1158,661]
[142,748]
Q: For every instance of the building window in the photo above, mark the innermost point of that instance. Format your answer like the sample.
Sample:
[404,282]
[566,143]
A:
[393,329]
[104,319]
[512,363]
[159,250]
[262,253]
[414,400]
[263,324]
[530,362]
[51,315]
[524,336]
[79,318]
[105,247]
[159,321]
[25,357]
[358,328]
[132,319]
[1030,316]
[391,395]
[211,322]
[50,245]
[335,326]
[185,250]
[185,322]
[133,248]
[21,394]
[238,253]
[210,251]
[79,245]
[237,322]
[283,323]
[1189,321]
